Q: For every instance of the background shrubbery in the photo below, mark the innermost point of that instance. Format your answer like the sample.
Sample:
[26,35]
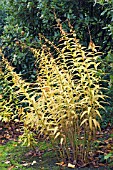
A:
[26,19]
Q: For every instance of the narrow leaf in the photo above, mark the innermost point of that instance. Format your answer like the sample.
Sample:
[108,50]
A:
[85,120]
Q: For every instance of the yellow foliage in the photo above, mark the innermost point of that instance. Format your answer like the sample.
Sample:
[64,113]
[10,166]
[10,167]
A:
[68,94]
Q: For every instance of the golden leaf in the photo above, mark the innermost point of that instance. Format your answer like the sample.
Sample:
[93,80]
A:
[98,113]
[89,109]
[56,136]
[0,96]
[60,163]
[95,123]
[85,120]
[84,113]
[90,122]
[61,141]
[92,46]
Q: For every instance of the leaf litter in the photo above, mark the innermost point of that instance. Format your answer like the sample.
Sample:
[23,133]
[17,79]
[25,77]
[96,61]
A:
[101,157]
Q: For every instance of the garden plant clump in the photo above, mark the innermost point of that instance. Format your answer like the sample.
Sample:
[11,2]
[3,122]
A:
[64,104]
[56,81]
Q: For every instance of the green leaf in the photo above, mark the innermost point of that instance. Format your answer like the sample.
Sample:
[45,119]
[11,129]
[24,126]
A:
[108,156]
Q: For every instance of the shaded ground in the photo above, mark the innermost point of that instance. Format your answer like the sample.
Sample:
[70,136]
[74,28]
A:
[13,156]
[9,132]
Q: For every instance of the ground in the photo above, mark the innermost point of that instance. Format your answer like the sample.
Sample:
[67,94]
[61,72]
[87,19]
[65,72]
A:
[14,156]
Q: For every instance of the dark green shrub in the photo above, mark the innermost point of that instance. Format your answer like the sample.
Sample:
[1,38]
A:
[26,19]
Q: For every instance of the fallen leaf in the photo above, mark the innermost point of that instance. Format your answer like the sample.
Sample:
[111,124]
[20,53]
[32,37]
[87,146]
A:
[108,146]
[34,162]
[100,164]
[7,162]
[15,145]
[1,96]
[99,151]
[96,166]
[25,164]
[11,167]
[71,165]
[74,162]
[60,163]
[30,153]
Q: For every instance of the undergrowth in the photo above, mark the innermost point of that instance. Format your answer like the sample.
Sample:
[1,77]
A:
[14,156]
